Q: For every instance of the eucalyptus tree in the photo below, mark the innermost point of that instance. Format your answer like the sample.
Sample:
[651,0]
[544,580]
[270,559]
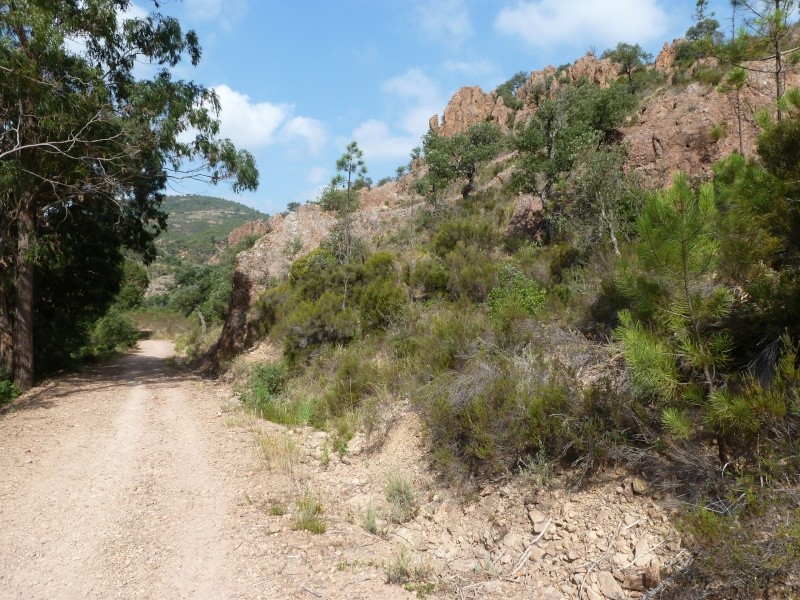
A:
[82,137]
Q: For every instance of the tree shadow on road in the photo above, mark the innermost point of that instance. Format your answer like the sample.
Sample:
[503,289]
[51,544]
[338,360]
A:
[129,371]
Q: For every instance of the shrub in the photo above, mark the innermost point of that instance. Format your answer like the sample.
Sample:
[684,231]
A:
[471,273]
[749,550]
[114,331]
[475,231]
[315,274]
[269,379]
[402,500]
[353,380]
[515,288]
[429,275]
[280,451]
[265,395]
[8,391]
[709,76]
[311,324]
[309,509]
[368,520]
[381,302]
[443,340]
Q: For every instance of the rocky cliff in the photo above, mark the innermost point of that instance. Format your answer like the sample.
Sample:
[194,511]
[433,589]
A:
[683,128]
[292,235]
[677,128]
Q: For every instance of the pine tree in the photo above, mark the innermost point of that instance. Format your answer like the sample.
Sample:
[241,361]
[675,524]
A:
[672,340]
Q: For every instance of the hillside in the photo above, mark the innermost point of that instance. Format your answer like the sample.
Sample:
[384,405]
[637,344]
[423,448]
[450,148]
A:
[583,275]
[198,226]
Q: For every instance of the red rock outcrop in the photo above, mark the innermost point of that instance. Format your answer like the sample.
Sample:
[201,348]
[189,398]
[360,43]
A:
[666,57]
[470,106]
[674,130]
[258,228]
[528,219]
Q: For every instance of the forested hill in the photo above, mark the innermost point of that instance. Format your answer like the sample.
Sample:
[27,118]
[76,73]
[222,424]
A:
[198,226]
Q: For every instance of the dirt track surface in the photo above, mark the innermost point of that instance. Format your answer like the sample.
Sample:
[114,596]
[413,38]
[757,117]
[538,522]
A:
[136,480]
[113,483]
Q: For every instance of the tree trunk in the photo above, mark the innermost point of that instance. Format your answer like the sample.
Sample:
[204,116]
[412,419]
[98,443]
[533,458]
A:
[23,323]
[778,62]
[739,120]
[6,335]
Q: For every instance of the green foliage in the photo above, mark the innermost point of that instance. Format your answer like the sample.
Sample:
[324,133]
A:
[576,120]
[381,301]
[309,509]
[114,331]
[749,551]
[507,90]
[709,76]
[455,157]
[469,231]
[206,288]
[8,391]
[402,500]
[673,341]
[631,58]
[353,380]
[472,273]
[514,288]
[133,286]
[429,275]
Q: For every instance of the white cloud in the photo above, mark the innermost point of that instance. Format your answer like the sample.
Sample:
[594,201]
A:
[254,125]
[224,12]
[310,130]
[546,23]
[416,98]
[378,143]
[476,68]
[419,96]
[445,21]
[251,125]
[317,175]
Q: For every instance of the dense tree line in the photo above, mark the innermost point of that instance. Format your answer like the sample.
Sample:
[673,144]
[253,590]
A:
[86,146]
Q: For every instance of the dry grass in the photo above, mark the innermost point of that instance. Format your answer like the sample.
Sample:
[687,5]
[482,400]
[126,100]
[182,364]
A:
[280,451]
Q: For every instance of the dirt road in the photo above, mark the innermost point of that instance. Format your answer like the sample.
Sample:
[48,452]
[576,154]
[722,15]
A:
[120,482]
[130,480]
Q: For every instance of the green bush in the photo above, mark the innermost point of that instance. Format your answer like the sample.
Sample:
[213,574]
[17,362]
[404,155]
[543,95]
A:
[708,76]
[475,231]
[750,549]
[515,288]
[381,302]
[311,324]
[266,396]
[402,500]
[471,273]
[429,275]
[114,331]
[8,391]
[442,340]
[354,379]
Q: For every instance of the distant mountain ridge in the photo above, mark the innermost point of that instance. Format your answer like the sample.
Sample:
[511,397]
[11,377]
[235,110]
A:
[199,226]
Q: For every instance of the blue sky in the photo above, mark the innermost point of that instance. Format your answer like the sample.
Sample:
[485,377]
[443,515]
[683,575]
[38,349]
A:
[299,80]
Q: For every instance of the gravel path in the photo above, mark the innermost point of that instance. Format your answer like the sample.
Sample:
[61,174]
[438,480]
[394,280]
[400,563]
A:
[120,482]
